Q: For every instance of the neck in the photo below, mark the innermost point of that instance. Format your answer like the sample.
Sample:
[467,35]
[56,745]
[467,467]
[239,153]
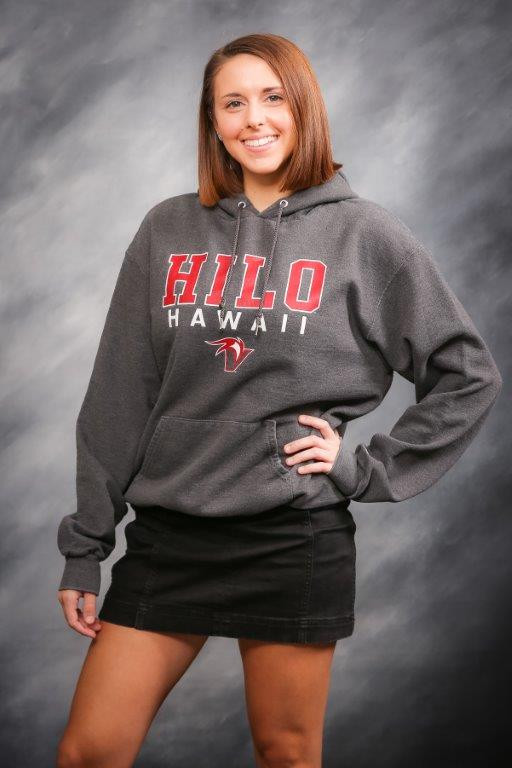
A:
[262,191]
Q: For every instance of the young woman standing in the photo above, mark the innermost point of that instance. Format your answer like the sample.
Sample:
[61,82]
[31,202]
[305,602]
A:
[249,323]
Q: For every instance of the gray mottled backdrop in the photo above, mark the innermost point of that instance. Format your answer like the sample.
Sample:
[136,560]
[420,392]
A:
[99,109]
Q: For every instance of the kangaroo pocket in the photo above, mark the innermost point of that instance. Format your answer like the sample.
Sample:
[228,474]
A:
[212,467]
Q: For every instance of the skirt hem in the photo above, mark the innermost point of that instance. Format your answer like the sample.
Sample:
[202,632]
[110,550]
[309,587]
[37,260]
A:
[196,620]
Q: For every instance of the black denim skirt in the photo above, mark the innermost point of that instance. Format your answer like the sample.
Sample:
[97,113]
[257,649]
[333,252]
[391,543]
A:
[283,575]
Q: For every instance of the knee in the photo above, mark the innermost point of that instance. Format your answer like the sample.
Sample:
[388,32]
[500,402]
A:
[72,754]
[290,751]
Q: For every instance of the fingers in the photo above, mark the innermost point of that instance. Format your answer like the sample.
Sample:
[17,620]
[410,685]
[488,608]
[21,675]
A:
[322,425]
[319,466]
[68,598]
[315,452]
[87,628]
[302,443]
[89,607]
[312,441]
[324,447]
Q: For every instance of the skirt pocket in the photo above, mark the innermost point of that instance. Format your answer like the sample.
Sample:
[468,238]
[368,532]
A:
[132,573]
[334,582]
[212,467]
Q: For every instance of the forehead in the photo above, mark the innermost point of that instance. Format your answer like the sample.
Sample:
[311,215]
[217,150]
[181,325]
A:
[245,73]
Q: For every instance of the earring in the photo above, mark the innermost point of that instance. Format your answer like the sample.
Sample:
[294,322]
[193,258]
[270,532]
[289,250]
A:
[218,134]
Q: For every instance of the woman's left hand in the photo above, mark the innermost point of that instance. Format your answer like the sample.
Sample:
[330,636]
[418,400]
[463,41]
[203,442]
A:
[324,448]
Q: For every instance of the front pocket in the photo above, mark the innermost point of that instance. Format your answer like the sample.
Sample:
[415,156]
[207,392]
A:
[212,467]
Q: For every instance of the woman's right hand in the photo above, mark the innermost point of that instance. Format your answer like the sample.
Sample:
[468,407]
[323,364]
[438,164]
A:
[75,617]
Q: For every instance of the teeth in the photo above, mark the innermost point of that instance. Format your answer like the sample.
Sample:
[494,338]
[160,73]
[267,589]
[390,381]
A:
[260,142]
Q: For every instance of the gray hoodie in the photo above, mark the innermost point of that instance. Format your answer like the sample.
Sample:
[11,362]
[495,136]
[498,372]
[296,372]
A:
[205,363]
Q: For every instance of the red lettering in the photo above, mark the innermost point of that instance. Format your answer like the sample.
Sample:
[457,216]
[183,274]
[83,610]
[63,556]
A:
[316,285]
[174,274]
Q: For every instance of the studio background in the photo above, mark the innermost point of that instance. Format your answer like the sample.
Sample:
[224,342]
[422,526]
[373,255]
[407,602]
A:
[99,123]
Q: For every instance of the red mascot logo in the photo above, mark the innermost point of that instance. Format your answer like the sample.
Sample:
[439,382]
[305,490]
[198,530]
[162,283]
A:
[234,350]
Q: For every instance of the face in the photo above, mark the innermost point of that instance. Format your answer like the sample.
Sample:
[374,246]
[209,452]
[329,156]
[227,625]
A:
[249,101]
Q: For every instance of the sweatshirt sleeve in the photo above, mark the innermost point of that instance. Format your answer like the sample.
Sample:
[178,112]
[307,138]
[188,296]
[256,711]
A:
[424,333]
[121,394]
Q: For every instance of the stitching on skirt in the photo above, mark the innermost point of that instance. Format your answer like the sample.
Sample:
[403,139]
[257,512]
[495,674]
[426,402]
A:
[354,557]
[144,606]
[309,570]
[184,611]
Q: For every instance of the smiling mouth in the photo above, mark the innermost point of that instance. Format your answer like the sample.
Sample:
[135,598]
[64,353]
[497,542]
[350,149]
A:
[263,142]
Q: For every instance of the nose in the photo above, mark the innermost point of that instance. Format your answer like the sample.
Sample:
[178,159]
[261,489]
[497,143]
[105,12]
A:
[255,114]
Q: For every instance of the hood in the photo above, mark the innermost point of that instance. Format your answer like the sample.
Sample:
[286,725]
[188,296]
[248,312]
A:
[337,188]
[239,206]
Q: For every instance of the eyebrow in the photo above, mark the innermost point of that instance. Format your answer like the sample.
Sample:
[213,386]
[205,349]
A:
[264,90]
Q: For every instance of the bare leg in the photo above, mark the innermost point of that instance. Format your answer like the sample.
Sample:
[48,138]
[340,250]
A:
[286,689]
[125,678]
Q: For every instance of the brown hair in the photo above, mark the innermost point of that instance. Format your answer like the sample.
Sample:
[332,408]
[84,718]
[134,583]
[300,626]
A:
[311,161]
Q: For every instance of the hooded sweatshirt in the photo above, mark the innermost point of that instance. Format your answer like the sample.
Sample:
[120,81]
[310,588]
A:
[226,323]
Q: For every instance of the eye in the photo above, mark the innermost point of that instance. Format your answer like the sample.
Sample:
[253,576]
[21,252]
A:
[236,101]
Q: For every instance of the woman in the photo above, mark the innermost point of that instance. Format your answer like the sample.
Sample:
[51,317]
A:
[249,323]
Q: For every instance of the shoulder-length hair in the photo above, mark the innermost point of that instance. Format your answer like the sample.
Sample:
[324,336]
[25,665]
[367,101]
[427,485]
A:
[311,161]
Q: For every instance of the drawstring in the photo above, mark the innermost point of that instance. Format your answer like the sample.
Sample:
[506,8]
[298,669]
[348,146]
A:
[222,304]
[282,204]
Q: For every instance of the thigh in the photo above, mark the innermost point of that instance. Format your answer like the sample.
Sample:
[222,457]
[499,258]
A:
[125,677]
[286,690]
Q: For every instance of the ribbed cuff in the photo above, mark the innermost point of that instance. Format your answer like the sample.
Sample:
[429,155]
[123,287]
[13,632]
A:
[344,472]
[81,573]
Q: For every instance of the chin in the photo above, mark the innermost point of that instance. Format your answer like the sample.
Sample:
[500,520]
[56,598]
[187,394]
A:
[256,167]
